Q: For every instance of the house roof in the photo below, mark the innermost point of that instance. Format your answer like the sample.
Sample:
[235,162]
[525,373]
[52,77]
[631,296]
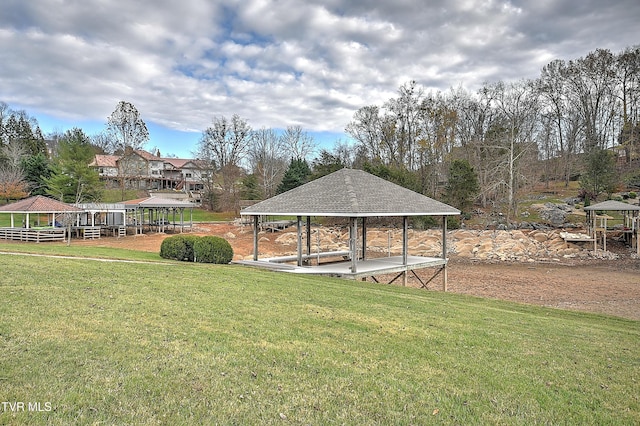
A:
[39,204]
[147,155]
[105,161]
[178,163]
[350,193]
[611,205]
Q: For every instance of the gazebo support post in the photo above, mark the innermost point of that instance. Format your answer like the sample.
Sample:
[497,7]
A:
[604,234]
[364,238]
[353,237]
[255,238]
[308,231]
[444,253]
[299,226]
[595,233]
[405,247]
[637,225]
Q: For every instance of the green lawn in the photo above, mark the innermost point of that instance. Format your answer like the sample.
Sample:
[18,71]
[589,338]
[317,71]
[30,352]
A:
[151,343]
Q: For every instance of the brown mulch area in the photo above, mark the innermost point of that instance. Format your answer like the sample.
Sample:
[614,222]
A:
[609,287]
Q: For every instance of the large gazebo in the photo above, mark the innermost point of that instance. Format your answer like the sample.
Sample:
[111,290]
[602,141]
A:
[30,212]
[356,195]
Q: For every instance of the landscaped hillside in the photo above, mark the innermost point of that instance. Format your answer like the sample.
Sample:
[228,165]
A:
[149,343]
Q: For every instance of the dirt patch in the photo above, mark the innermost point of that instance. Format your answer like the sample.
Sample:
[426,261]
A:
[608,287]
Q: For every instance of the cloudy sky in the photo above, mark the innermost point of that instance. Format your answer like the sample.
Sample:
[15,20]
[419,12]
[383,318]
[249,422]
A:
[277,63]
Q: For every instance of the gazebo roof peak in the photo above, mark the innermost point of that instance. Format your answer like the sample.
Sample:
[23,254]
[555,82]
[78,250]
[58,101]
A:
[350,193]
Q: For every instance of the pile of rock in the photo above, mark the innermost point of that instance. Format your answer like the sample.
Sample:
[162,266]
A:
[487,245]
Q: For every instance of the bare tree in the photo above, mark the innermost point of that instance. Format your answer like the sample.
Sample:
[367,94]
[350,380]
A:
[365,129]
[4,115]
[556,109]
[518,103]
[628,76]
[224,145]
[126,128]
[435,128]
[406,109]
[299,143]
[13,153]
[591,93]
[103,142]
[267,156]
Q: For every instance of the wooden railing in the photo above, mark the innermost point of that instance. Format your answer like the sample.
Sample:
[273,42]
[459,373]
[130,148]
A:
[33,234]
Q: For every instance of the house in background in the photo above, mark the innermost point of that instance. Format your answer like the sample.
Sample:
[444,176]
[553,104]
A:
[139,169]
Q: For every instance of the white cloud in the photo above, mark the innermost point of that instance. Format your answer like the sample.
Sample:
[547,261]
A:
[278,63]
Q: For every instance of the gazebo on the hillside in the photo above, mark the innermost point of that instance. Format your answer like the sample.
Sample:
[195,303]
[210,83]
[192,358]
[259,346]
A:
[630,222]
[31,227]
[356,195]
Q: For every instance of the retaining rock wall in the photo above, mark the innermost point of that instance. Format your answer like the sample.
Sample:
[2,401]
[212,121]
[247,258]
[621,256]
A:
[488,245]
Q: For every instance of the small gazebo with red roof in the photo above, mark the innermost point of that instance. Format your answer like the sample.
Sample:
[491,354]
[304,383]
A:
[37,205]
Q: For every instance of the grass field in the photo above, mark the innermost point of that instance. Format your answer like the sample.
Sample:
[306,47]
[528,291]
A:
[148,343]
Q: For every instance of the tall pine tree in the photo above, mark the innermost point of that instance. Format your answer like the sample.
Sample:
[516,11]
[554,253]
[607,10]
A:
[297,174]
[72,180]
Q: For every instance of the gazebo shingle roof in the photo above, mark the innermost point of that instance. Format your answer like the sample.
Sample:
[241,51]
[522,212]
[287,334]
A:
[612,205]
[39,204]
[350,193]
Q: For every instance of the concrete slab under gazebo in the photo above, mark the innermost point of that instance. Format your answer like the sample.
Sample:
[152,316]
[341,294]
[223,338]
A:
[356,195]
[630,225]
[31,227]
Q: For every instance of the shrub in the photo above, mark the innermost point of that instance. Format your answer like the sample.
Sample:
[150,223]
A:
[178,247]
[213,250]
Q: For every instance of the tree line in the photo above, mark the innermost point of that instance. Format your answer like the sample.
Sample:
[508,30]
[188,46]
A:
[560,126]
[578,120]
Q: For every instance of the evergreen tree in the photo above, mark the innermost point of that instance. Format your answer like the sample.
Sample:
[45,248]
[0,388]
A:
[462,187]
[297,174]
[250,188]
[326,163]
[36,170]
[398,175]
[72,180]
[600,174]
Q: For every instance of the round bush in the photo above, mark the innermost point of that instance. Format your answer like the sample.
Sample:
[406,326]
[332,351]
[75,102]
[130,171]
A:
[213,250]
[178,247]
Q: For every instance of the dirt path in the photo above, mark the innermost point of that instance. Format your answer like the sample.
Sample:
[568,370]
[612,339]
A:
[608,287]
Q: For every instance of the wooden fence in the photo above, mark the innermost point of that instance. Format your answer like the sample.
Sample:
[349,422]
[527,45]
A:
[33,234]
